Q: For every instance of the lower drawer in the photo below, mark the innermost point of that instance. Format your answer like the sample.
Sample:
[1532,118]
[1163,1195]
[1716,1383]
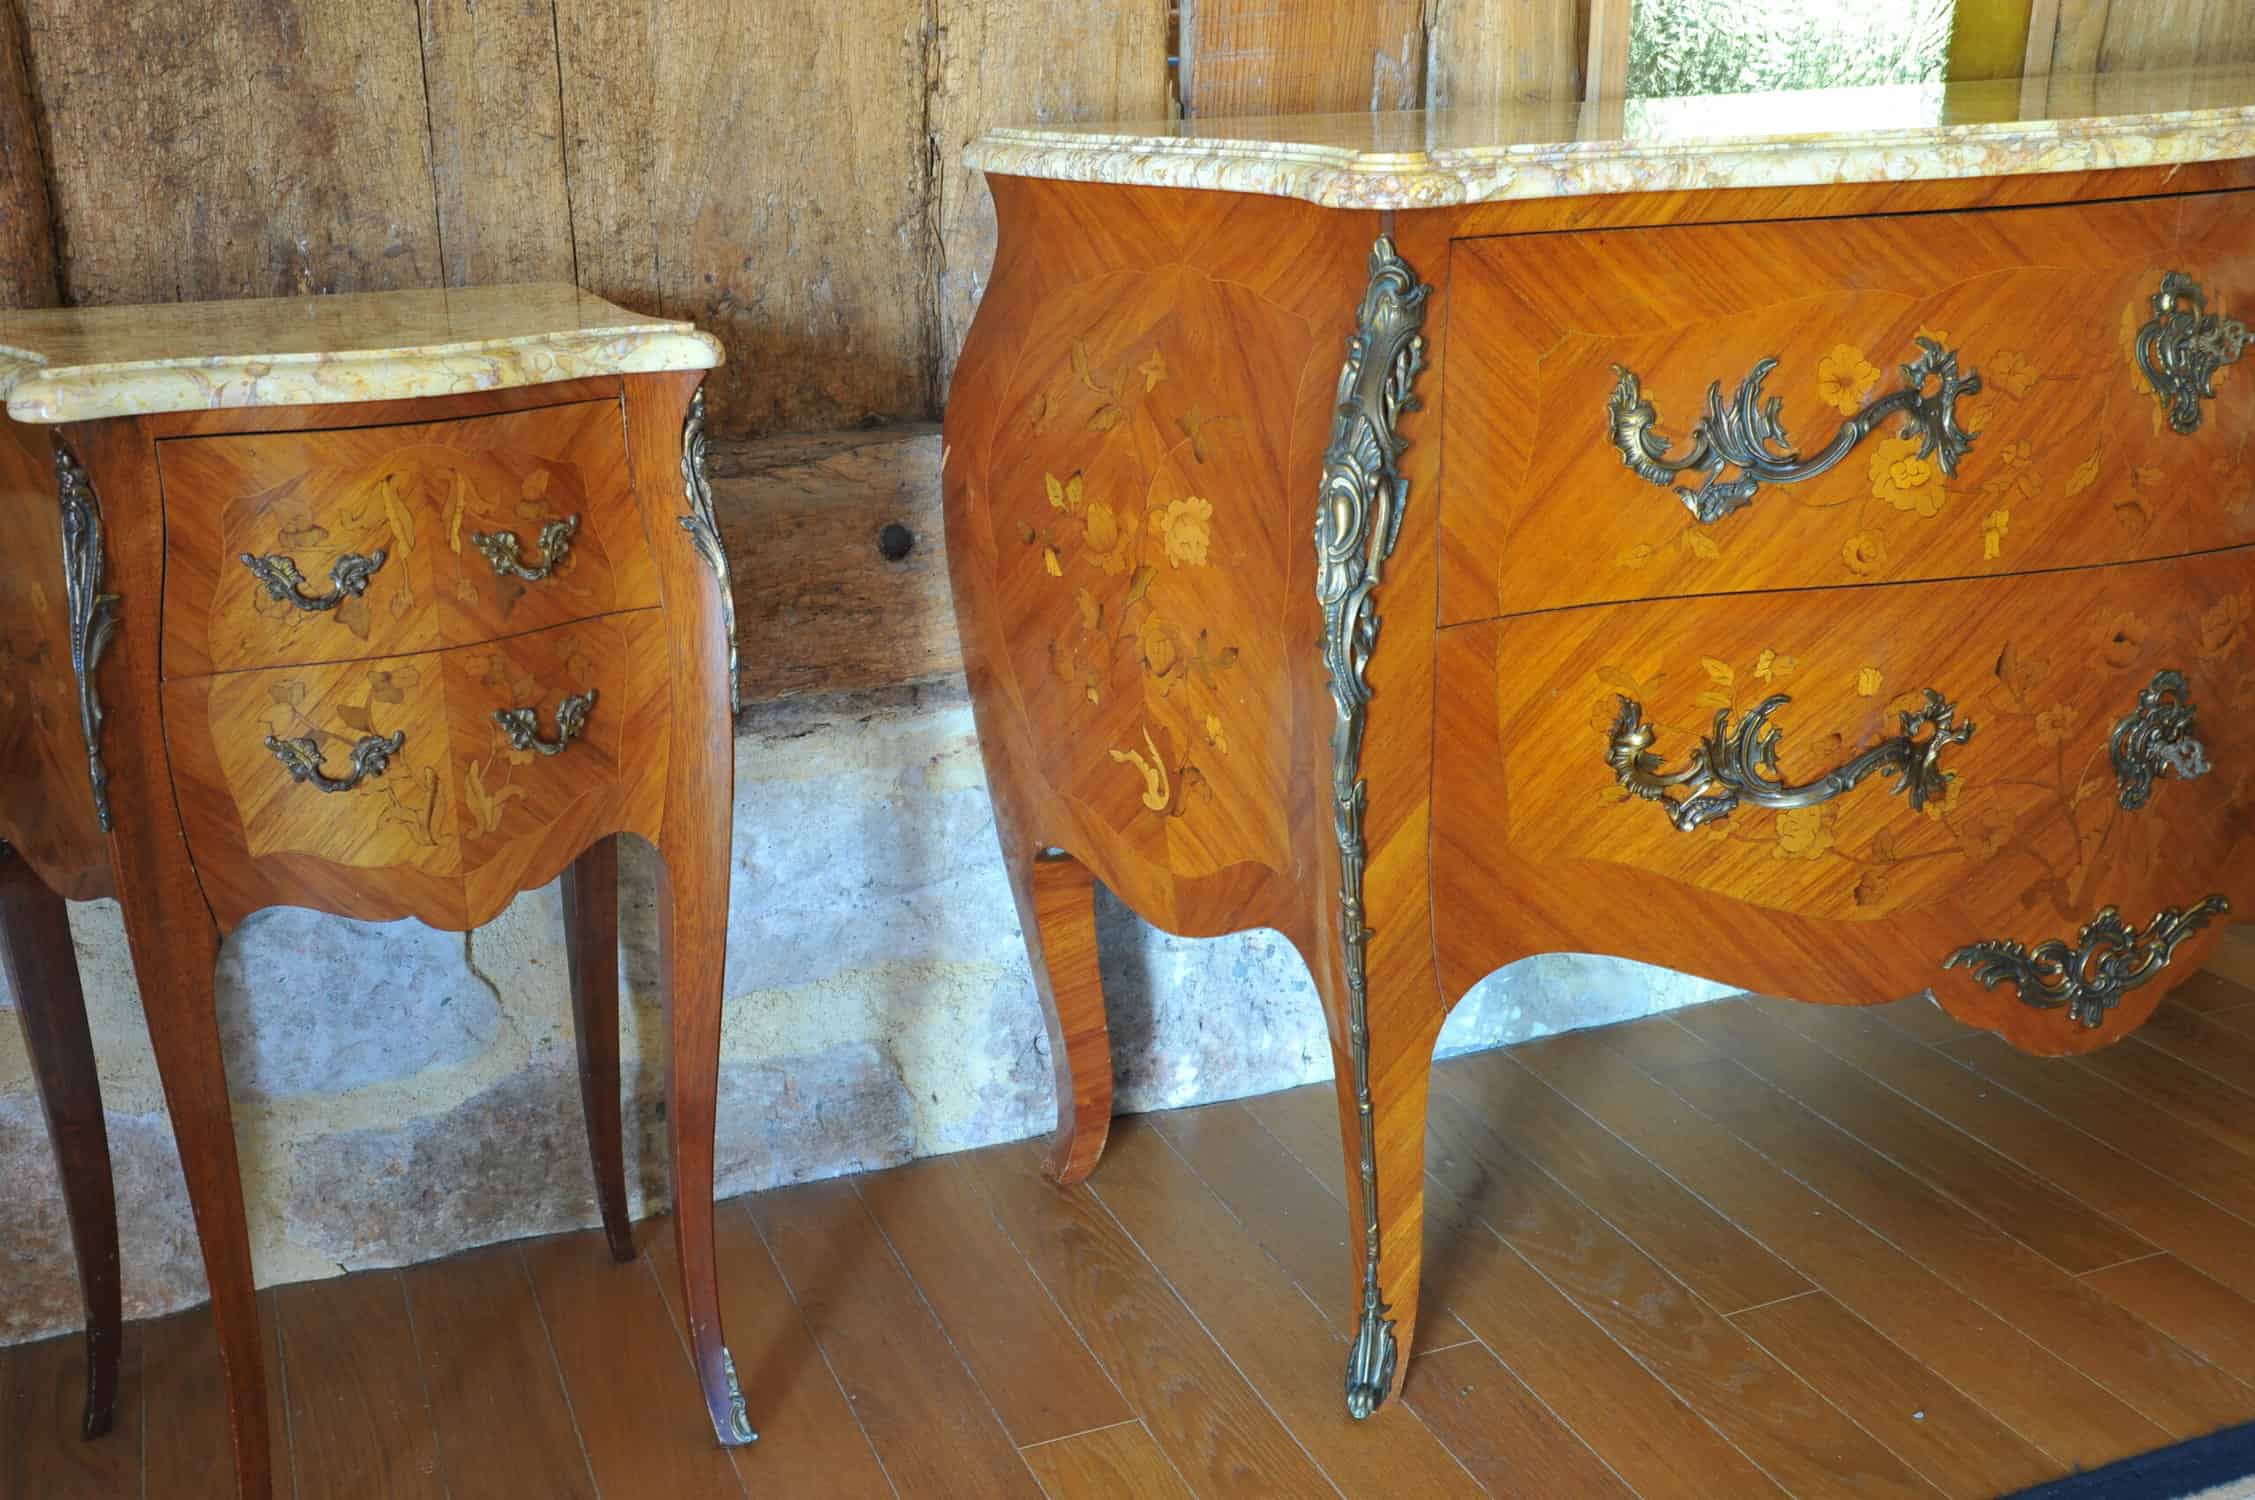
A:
[392,787]
[1729,786]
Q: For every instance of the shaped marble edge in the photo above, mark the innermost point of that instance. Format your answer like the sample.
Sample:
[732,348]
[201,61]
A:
[39,393]
[1660,145]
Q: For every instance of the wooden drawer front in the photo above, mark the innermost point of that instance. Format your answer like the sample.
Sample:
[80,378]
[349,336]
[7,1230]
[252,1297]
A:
[458,818]
[2074,460]
[2028,841]
[421,495]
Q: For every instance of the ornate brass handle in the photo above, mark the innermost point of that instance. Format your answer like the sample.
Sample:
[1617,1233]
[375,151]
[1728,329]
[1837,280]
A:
[348,578]
[1731,766]
[505,552]
[522,725]
[2108,960]
[2182,346]
[2157,739]
[370,755]
[1748,435]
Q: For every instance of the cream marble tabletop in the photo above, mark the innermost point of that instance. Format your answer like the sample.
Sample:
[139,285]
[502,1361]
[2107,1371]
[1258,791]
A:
[1420,159]
[76,364]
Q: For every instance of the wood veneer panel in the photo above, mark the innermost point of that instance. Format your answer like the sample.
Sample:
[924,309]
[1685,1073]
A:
[504,1425]
[2035,1393]
[2070,446]
[632,1388]
[1025,1356]
[360,1417]
[1958,1447]
[1696,1245]
[48,811]
[2151,1372]
[1291,1209]
[934,1430]
[1862,897]
[1216,1431]
[2207,1317]
[2105,1179]
[1119,1462]
[43,1454]
[1658,1443]
[1273,1336]
[2054,1224]
[184,1410]
[420,493]
[810,1440]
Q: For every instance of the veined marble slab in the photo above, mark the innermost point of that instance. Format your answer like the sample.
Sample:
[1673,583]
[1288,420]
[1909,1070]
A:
[78,363]
[1434,159]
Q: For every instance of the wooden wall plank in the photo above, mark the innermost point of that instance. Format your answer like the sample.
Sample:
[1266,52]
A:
[1607,73]
[1481,53]
[497,140]
[27,227]
[819,609]
[1023,62]
[1272,57]
[760,167]
[235,148]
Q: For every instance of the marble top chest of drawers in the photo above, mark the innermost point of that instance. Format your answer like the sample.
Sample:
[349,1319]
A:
[1815,558]
[389,605]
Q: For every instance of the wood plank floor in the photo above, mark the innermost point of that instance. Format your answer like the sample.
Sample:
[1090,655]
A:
[1754,1248]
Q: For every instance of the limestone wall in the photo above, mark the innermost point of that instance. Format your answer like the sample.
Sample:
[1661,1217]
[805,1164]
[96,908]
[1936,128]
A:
[402,1093]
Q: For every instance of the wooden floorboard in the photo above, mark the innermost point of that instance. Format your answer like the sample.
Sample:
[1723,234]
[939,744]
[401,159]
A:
[934,1429]
[810,1442]
[359,1410]
[1751,1249]
[2029,1389]
[505,1426]
[1042,1380]
[2172,1387]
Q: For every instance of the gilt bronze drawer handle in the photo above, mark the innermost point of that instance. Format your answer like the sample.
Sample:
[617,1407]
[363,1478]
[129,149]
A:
[506,553]
[2109,958]
[2182,346]
[1747,433]
[348,579]
[1731,766]
[2157,739]
[370,755]
[522,725]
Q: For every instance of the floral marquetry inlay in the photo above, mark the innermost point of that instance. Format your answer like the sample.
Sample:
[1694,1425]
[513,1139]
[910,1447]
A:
[2046,666]
[1140,533]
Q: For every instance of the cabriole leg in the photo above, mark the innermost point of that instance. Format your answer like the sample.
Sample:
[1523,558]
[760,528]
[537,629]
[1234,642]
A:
[692,927]
[42,967]
[591,945]
[1056,897]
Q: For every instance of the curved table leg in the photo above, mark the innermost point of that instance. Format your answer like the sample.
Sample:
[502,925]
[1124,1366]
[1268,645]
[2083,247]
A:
[1057,910]
[35,947]
[591,946]
[692,929]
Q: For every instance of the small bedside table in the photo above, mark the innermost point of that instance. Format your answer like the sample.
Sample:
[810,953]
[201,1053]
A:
[388,605]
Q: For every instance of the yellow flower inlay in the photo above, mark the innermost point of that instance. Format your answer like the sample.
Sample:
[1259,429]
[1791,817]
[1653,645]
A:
[2010,371]
[1803,833]
[1865,553]
[1903,479]
[1992,533]
[1186,526]
[1845,379]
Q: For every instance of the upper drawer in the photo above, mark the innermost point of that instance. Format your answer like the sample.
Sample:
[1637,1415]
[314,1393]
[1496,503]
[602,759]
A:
[371,541]
[1567,350]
